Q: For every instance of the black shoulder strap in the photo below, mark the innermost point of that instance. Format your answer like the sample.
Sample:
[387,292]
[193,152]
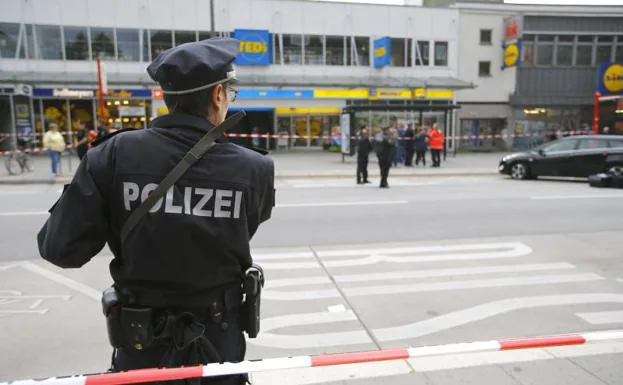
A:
[189,159]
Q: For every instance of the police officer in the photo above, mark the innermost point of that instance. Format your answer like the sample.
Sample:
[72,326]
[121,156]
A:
[364,146]
[186,258]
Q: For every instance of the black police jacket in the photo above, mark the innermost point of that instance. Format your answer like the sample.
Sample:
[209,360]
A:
[193,242]
[364,146]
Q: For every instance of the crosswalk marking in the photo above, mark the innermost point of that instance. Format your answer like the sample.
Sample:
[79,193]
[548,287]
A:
[602,317]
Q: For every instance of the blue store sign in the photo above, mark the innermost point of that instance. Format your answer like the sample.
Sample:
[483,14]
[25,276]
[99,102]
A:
[382,52]
[255,47]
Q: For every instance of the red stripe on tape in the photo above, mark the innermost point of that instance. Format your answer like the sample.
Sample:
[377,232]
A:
[145,375]
[541,342]
[354,358]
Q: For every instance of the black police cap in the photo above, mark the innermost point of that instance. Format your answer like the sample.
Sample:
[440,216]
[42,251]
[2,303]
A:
[195,66]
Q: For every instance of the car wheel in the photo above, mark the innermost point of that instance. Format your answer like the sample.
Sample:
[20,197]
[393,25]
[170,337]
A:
[616,169]
[519,171]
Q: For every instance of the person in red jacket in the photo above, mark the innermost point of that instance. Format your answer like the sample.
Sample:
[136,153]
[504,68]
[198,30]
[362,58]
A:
[436,139]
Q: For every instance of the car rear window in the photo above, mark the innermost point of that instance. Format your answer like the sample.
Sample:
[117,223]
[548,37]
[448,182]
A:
[616,143]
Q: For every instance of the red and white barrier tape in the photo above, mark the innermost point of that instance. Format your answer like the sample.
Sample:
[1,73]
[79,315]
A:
[299,362]
[330,137]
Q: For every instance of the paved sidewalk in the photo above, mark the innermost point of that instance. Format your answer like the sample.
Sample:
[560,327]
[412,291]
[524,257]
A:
[291,164]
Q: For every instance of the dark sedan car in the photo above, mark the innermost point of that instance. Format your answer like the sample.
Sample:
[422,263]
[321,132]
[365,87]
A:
[574,156]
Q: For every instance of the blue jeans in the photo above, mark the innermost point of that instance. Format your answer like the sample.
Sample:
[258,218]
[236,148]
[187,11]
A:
[55,157]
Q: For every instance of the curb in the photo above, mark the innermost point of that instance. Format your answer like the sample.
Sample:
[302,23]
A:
[65,180]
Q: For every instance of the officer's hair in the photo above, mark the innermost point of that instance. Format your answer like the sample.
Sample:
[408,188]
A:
[196,103]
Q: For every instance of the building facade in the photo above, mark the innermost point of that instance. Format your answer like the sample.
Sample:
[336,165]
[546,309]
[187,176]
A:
[301,62]
[566,54]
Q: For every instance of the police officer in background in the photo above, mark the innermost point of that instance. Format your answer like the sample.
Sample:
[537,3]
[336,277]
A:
[183,264]
[384,151]
[364,146]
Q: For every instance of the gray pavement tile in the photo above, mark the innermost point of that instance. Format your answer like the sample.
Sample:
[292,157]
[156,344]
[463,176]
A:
[403,379]
[486,375]
[553,372]
[608,368]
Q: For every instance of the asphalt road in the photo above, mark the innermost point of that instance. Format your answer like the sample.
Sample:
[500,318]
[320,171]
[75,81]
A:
[428,261]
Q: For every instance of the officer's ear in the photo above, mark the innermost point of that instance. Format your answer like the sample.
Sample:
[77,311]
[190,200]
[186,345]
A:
[218,95]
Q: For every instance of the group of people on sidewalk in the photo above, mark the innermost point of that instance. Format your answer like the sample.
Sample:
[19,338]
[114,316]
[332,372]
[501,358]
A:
[397,145]
[54,142]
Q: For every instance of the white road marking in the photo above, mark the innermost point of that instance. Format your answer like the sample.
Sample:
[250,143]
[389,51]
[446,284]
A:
[334,204]
[62,280]
[487,310]
[270,338]
[23,213]
[592,196]
[35,304]
[300,295]
[602,317]
[620,280]
[10,266]
[283,255]
[515,247]
[336,308]
[377,255]
[309,376]
[409,274]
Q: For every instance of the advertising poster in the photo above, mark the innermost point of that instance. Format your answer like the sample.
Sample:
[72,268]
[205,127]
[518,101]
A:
[345,129]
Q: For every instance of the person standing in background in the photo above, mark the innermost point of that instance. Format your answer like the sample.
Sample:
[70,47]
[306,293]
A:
[420,146]
[364,146]
[81,142]
[54,143]
[384,154]
[409,145]
[436,140]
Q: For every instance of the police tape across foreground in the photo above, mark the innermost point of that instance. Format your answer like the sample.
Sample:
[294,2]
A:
[300,362]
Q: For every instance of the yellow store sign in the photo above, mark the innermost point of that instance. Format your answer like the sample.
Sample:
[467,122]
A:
[424,93]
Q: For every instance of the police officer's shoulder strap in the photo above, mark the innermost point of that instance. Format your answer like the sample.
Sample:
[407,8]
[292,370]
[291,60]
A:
[189,159]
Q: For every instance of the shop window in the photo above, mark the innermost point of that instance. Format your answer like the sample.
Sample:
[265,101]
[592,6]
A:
[146,51]
[398,52]
[127,113]
[49,43]
[76,43]
[618,55]
[182,37]
[484,68]
[334,51]
[422,53]
[603,54]
[545,50]
[9,34]
[160,42]
[441,53]
[81,114]
[564,51]
[276,48]
[103,43]
[313,50]
[293,49]
[358,51]
[55,111]
[128,45]
[583,55]
[27,47]
[485,36]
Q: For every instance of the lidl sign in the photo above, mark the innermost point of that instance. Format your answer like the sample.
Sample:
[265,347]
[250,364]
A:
[255,47]
[611,79]
[512,54]
[382,52]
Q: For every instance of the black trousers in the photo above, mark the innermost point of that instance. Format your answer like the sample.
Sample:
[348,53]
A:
[436,157]
[409,150]
[362,169]
[384,165]
[226,337]
[420,156]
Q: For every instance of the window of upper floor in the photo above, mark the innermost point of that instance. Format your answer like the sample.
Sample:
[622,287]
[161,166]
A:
[571,50]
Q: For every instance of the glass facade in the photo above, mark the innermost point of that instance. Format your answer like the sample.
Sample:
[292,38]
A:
[55,42]
[566,50]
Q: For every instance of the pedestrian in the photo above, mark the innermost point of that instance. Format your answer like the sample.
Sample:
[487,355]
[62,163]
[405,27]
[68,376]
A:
[81,143]
[409,145]
[385,150]
[436,141]
[364,146]
[54,143]
[420,146]
[178,269]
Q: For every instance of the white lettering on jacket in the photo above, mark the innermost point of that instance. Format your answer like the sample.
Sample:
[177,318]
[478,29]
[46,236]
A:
[195,201]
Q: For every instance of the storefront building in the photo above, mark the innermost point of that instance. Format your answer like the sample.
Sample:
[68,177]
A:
[296,74]
[536,69]
[565,60]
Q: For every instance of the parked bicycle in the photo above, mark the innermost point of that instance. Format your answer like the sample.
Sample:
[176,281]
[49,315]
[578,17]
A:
[17,160]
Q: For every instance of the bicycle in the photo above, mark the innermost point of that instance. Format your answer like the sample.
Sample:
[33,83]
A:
[17,160]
